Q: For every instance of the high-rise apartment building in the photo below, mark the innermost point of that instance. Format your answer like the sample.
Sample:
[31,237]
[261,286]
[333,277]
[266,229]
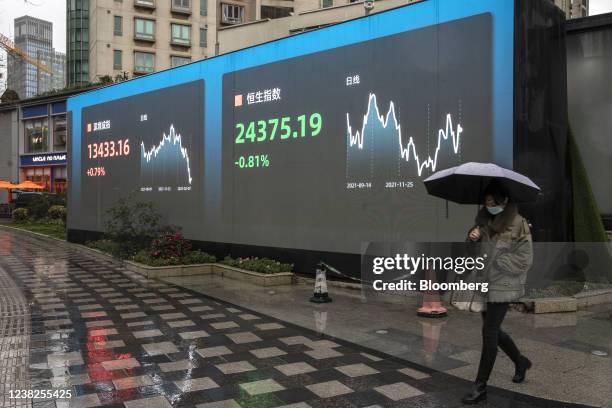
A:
[135,37]
[35,37]
[126,38]
[573,8]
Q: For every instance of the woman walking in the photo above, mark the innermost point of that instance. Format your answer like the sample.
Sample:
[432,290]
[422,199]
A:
[504,236]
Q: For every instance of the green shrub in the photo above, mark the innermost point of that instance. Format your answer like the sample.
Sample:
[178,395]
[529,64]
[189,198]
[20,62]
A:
[198,257]
[39,206]
[105,245]
[192,257]
[262,265]
[170,246]
[133,225]
[21,215]
[57,212]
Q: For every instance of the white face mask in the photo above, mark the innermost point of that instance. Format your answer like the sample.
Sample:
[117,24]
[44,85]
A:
[495,210]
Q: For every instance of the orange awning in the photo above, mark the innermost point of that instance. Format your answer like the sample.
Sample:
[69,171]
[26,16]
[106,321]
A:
[6,184]
[28,185]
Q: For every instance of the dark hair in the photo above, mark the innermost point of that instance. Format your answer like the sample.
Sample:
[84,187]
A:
[497,191]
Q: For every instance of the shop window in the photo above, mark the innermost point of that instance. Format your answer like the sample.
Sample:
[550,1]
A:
[36,135]
[40,176]
[59,133]
[60,179]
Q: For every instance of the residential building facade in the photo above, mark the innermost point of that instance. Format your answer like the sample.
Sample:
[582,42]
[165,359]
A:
[134,37]
[310,15]
[127,38]
[573,8]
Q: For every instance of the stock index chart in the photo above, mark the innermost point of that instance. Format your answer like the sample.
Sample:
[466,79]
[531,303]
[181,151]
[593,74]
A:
[339,142]
[148,145]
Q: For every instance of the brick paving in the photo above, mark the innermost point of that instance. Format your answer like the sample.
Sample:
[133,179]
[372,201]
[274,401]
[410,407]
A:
[117,339]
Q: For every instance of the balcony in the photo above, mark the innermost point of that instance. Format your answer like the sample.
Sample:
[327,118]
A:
[181,7]
[148,4]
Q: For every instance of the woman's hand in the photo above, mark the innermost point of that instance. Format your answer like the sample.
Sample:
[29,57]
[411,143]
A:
[474,234]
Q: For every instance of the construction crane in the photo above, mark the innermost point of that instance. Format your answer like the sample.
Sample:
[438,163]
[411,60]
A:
[12,49]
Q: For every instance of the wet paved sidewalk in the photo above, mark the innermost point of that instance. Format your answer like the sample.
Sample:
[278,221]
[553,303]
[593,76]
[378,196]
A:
[113,338]
[14,341]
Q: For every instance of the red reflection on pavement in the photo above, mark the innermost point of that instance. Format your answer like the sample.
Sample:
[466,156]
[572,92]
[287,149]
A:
[96,354]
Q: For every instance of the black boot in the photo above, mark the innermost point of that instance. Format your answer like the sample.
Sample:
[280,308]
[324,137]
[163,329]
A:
[521,369]
[478,393]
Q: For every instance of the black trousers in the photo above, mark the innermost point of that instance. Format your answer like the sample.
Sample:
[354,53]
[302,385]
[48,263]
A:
[493,336]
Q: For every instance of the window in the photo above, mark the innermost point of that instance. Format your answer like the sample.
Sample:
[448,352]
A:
[59,133]
[181,34]
[145,3]
[144,29]
[327,3]
[181,5]
[275,12]
[118,26]
[203,37]
[144,62]
[232,13]
[176,61]
[203,7]
[117,57]
[36,134]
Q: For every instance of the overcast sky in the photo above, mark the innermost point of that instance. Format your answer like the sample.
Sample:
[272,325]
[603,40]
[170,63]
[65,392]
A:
[50,10]
[600,6]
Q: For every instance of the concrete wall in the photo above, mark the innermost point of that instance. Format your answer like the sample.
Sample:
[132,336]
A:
[589,68]
[249,34]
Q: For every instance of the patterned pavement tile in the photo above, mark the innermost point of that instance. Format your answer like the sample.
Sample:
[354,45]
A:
[261,387]
[398,391]
[164,347]
[181,365]
[196,384]
[295,368]
[236,367]
[132,382]
[329,389]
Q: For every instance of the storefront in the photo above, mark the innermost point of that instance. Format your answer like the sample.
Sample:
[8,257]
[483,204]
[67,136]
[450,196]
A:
[48,169]
[43,153]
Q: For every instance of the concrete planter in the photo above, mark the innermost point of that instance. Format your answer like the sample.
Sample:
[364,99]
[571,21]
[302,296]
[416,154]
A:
[165,271]
[593,297]
[256,278]
[96,253]
[568,303]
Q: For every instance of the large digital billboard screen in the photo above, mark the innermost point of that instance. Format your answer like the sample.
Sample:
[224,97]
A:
[336,144]
[147,144]
[320,141]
